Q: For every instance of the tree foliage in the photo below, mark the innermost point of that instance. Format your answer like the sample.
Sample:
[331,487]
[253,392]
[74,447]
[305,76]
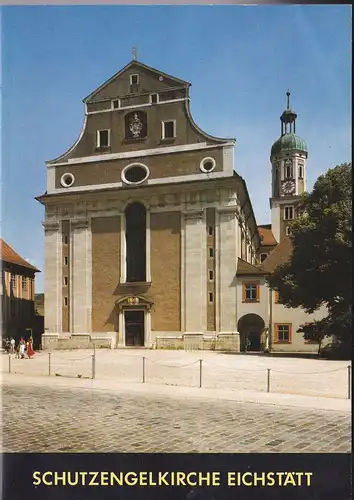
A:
[319,272]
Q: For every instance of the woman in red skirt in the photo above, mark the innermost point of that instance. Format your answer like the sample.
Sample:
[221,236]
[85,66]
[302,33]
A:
[30,351]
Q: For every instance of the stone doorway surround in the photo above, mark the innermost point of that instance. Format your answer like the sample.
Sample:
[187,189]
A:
[133,303]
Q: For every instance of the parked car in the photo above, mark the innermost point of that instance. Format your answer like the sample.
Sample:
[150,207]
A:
[334,350]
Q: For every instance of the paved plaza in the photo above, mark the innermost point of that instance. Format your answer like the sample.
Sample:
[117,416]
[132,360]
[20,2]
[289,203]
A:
[42,418]
[306,410]
[236,372]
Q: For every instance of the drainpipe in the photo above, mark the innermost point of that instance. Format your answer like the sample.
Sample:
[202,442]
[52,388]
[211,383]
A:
[270,336]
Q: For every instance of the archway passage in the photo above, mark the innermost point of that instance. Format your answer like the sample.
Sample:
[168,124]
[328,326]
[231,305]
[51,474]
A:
[251,327]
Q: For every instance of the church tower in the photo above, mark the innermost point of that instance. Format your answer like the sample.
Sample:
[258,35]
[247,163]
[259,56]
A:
[288,158]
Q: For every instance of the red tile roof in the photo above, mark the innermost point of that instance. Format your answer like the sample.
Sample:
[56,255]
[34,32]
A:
[246,269]
[266,235]
[280,255]
[8,254]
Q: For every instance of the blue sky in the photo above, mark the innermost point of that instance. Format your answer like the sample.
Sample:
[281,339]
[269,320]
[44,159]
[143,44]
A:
[240,60]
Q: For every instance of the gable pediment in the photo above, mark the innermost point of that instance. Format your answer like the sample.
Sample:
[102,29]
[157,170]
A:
[150,80]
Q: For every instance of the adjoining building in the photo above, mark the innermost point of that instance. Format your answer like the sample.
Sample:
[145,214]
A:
[150,235]
[17,294]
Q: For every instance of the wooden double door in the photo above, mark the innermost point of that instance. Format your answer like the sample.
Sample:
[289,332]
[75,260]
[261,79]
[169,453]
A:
[134,328]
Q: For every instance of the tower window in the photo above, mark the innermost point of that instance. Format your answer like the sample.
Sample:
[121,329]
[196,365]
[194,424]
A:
[301,171]
[288,213]
[211,252]
[211,275]
[211,298]
[288,169]
[65,261]
[287,231]
[210,230]
[65,240]
[65,301]
[169,129]
[103,138]
[65,281]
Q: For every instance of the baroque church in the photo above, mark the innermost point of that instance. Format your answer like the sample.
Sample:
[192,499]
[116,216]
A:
[150,236]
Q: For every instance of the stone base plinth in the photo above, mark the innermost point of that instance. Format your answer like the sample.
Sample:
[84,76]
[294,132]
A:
[55,341]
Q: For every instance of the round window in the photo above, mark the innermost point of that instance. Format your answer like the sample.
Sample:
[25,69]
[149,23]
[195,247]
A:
[67,180]
[207,165]
[135,174]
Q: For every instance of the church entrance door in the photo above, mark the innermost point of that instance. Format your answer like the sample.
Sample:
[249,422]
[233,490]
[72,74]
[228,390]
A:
[134,328]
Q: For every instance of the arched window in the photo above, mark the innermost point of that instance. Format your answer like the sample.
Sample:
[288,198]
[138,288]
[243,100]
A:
[136,125]
[301,171]
[288,169]
[135,237]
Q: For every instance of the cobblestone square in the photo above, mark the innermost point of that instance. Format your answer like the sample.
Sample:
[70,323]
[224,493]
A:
[57,419]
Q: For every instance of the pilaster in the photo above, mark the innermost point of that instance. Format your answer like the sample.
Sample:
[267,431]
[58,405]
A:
[227,262]
[195,271]
[81,267]
[53,277]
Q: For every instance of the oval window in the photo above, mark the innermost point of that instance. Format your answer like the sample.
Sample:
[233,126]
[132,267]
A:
[67,180]
[135,174]
[207,165]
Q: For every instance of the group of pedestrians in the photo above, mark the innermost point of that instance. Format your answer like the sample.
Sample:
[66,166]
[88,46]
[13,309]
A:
[22,349]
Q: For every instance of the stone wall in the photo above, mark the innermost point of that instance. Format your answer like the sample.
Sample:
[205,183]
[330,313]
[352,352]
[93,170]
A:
[79,341]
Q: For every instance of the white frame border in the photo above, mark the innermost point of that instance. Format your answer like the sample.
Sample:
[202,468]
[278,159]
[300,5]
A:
[98,141]
[163,137]
[131,165]
[205,160]
[62,180]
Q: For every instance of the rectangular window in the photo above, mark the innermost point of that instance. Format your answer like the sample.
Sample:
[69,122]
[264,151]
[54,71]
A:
[65,240]
[288,213]
[211,252]
[301,172]
[283,333]
[65,301]
[250,292]
[263,257]
[65,261]
[169,129]
[287,231]
[103,138]
[24,283]
[211,275]
[134,79]
[210,230]
[115,104]
[65,281]
[154,98]
[211,298]
[13,280]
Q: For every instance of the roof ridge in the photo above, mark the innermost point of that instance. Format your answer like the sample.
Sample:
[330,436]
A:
[9,255]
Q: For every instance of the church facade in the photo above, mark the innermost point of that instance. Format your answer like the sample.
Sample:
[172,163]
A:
[150,235]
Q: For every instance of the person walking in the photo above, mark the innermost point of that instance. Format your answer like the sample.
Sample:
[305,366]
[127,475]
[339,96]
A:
[22,348]
[12,344]
[30,351]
